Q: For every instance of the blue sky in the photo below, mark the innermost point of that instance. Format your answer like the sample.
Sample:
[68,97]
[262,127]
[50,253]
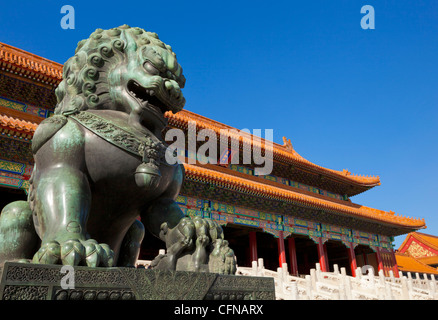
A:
[363,100]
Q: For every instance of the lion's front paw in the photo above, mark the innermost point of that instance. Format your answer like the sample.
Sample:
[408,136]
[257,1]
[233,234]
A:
[75,253]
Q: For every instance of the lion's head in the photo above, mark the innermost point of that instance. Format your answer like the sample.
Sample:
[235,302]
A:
[125,69]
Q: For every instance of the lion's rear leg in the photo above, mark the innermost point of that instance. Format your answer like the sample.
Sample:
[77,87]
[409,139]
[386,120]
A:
[130,248]
[63,198]
[18,238]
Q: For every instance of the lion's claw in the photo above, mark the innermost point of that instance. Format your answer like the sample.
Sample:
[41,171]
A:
[72,252]
[93,252]
[107,258]
[49,253]
[75,253]
[202,240]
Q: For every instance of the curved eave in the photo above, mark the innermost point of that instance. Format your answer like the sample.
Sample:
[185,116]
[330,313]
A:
[17,125]
[29,65]
[267,191]
[407,263]
[280,153]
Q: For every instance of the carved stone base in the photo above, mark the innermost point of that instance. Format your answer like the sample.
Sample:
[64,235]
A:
[21,281]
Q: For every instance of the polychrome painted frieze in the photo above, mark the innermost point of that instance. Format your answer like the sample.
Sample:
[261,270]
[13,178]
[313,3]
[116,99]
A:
[273,224]
[30,109]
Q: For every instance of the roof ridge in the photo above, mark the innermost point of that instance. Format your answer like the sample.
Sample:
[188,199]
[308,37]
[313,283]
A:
[30,62]
[27,53]
[425,234]
[421,237]
[283,151]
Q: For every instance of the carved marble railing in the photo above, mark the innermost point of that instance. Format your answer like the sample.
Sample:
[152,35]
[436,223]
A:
[338,285]
[143,263]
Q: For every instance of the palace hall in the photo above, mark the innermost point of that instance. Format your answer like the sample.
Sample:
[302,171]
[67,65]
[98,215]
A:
[300,214]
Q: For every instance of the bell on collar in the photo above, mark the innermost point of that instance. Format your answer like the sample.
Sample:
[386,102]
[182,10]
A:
[147,176]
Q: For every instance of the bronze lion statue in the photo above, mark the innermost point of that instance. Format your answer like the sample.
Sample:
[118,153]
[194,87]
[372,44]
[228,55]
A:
[100,163]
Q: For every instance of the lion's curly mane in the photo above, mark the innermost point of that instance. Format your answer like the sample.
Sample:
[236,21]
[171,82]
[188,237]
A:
[85,82]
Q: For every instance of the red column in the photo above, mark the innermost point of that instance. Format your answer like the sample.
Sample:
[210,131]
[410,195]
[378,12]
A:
[293,256]
[352,258]
[281,250]
[326,257]
[379,259]
[253,246]
[322,255]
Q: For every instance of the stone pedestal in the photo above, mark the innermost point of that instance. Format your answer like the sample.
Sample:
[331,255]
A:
[20,281]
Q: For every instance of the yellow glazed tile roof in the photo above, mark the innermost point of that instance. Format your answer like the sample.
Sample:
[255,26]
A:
[282,152]
[417,253]
[241,184]
[17,124]
[429,260]
[409,264]
[29,65]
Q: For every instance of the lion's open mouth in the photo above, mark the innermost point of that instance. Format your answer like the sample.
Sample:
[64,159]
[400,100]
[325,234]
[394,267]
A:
[144,95]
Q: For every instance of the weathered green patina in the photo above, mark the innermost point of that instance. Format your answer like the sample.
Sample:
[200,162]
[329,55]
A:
[100,164]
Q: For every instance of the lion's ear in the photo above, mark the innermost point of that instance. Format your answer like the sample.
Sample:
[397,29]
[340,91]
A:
[68,106]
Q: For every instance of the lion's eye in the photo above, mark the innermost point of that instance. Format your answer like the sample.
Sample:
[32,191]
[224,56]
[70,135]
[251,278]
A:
[151,69]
